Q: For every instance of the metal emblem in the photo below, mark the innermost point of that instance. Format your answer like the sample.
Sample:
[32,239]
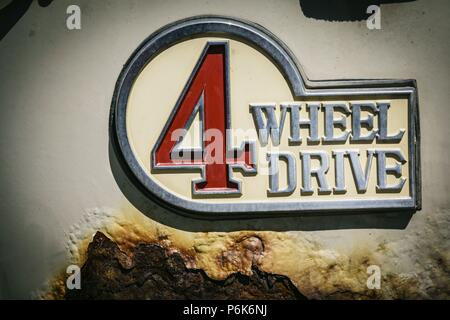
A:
[214,116]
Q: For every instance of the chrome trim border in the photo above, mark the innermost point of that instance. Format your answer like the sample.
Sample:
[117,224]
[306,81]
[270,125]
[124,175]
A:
[264,41]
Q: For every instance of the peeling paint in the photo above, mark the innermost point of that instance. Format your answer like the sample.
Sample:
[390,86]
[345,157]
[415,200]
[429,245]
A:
[150,272]
[319,270]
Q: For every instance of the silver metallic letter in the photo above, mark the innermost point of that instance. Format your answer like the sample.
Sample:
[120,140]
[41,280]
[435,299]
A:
[339,171]
[361,178]
[274,170]
[297,123]
[384,170]
[358,123]
[331,122]
[320,172]
[271,124]
[383,129]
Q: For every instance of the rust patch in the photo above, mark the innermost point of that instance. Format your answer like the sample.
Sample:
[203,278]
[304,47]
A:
[412,267]
[151,273]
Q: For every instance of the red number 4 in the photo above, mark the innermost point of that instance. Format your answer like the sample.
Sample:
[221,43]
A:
[205,94]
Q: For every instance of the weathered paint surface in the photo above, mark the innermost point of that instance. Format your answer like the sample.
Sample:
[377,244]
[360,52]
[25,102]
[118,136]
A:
[318,269]
[57,176]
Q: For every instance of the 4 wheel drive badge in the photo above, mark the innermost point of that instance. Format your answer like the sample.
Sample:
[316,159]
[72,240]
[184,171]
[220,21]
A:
[214,116]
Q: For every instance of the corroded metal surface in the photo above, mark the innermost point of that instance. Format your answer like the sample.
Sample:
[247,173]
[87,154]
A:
[318,270]
[150,273]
